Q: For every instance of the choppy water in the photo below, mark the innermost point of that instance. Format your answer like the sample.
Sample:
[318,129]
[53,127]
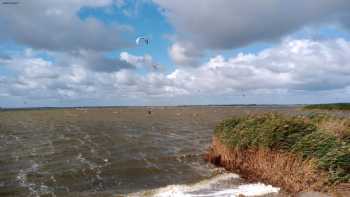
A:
[114,152]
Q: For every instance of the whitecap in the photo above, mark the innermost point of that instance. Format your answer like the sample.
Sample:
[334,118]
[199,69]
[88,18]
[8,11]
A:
[214,187]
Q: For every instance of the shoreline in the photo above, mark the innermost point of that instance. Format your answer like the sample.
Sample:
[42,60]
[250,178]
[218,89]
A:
[293,175]
[264,166]
[272,164]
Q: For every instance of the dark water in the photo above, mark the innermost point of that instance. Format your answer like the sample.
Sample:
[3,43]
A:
[104,152]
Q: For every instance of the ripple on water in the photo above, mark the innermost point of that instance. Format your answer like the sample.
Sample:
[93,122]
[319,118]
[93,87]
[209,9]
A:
[80,152]
[33,188]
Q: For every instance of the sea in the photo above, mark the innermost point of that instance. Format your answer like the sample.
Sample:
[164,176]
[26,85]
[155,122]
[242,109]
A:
[118,151]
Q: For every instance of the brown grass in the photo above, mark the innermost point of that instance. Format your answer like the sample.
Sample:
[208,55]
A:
[279,169]
[335,126]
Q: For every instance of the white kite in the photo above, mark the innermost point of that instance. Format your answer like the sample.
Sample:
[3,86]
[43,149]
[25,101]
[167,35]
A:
[142,40]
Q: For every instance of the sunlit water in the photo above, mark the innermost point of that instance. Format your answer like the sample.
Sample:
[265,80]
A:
[114,152]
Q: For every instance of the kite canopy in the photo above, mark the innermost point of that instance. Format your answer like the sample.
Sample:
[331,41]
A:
[142,40]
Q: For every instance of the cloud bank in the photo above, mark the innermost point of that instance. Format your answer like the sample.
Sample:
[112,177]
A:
[55,25]
[226,24]
[294,65]
[59,54]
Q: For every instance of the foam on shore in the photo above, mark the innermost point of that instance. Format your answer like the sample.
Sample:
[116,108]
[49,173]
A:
[218,186]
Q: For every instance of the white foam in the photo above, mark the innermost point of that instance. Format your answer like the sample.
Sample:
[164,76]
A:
[213,187]
[35,189]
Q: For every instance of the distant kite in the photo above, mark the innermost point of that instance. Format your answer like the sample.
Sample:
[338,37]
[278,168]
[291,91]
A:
[142,40]
[155,66]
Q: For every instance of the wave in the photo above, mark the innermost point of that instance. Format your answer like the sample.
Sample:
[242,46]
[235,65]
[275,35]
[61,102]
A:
[36,190]
[223,185]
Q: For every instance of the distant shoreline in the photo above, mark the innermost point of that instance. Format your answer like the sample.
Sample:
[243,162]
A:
[329,106]
[325,106]
[155,107]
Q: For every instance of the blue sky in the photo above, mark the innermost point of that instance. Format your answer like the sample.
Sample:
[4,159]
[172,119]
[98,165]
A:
[146,20]
[77,53]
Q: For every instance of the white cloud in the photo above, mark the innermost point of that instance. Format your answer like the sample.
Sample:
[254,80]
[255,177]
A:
[140,61]
[56,26]
[294,65]
[227,24]
[304,67]
[184,54]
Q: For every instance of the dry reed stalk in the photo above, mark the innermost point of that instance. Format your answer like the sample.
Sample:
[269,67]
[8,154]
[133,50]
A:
[338,127]
[285,170]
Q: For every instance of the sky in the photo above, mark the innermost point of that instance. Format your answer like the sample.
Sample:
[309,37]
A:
[63,53]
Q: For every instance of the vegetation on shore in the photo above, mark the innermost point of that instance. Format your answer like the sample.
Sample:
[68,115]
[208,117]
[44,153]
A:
[322,139]
[330,106]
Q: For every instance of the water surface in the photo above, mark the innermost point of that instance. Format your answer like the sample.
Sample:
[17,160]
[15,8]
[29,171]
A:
[111,151]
